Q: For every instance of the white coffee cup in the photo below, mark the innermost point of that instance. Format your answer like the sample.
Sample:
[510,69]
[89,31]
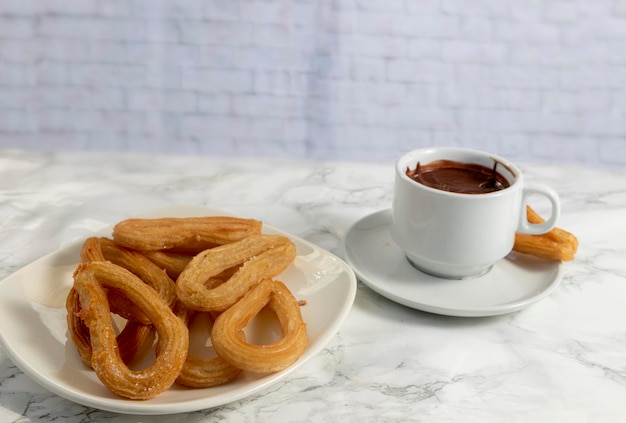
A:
[456,235]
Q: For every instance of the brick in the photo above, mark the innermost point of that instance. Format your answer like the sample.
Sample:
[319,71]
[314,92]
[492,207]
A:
[161,100]
[334,67]
[220,33]
[576,101]
[157,30]
[159,9]
[76,97]
[282,82]
[158,123]
[56,49]
[604,124]
[16,28]
[473,28]
[518,99]
[54,120]
[419,71]
[479,74]
[423,7]
[424,49]
[219,104]
[515,146]
[487,142]
[108,51]
[19,51]
[217,147]
[368,136]
[273,35]
[48,141]
[276,12]
[612,151]
[212,126]
[410,139]
[472,52]
[91,28]
[223,10]
[217,80]
[25,97]
[372,46]
[412,117]
[267,128]
[108,121]
[485,97]
[336,22]
[488,8]
[619,8]
[98,141]
[157,52]
[561,12]
[12,74]
[615,52]
[68,7]
[386,6]
[162,75]
[498,121]
[438,27]
[559,55]
[368,114]
[266,58]
[115,8]
[362,92]
[528,11]
[19,7]
[592,77]
[111,75]
[52,73]
[525,32]
[562,149]
[367,69]
[16,121]
[373,23]
[420,95]
[524,78]
[271,106]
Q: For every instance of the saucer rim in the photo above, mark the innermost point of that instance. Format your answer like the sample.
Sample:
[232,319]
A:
[469,311]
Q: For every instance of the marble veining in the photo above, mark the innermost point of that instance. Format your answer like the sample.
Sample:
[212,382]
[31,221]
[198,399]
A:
[561,360]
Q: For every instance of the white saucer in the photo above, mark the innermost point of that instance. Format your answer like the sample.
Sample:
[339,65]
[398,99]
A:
[512,284]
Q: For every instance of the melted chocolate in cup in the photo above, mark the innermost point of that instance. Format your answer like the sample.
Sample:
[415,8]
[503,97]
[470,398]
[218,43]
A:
[464,178]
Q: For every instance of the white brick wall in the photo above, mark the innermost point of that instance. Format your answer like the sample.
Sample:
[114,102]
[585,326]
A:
[335,79]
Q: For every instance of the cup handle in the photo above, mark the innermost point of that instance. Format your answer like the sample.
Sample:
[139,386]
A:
[539,228]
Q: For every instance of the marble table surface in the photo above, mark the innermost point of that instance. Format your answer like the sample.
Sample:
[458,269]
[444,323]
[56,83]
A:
[563,359]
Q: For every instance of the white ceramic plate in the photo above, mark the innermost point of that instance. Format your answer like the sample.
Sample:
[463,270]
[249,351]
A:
[33,329]
[511,285]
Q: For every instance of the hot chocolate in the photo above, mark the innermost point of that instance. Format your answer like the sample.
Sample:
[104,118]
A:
[465,178]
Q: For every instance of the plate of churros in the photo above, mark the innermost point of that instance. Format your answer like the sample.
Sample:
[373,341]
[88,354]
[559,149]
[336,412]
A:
[181,309]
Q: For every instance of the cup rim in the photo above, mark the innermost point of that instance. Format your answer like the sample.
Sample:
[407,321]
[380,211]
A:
[513,169]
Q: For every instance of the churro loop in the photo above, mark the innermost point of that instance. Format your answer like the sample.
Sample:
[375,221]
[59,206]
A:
[130,340]
[172,263]
[104,249]
[199,372]
[92,251]
[191,233]
[273,357]
[141,266]
[91,281]
[557,244]
[258,257]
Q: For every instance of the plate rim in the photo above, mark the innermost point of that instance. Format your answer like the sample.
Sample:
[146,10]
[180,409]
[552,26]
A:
[478,311]
[130,407]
